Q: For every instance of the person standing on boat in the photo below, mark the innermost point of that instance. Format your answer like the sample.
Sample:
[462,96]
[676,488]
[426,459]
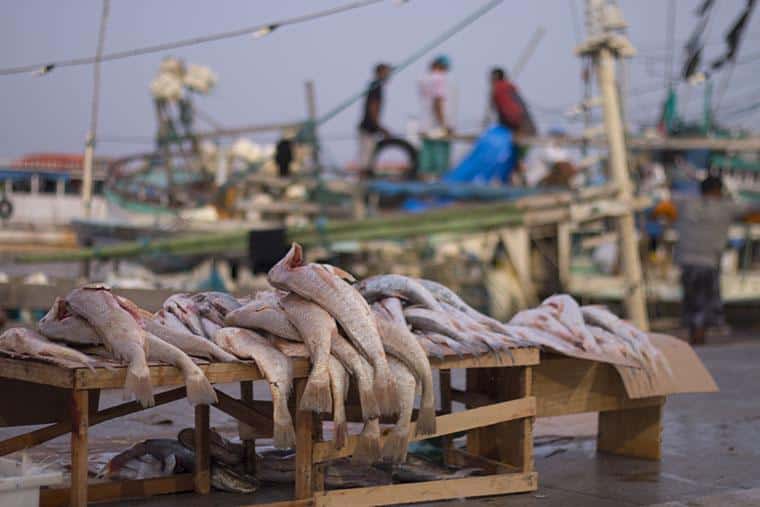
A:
[702,223]
[436,126]
[370,128]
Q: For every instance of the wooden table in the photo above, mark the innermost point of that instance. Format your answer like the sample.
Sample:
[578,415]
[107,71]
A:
[499,433]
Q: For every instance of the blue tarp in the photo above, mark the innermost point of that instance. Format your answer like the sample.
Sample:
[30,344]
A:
[492,158]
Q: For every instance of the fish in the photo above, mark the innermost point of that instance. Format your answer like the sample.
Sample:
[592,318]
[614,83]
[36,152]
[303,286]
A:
[543,319]
[221,450]
[186,310]
[367,449]
[445,295]
[168,319]
[568,312]
[538,337]
[361,370]
[210,327]
[425,320]
[430,348]
[610,343]
[399,342]
[188,342]
[319,284]
[26,342]
[169,457]
[418,469]
[397,440]
[232,480]
[62,325]
[438,339]
[316,327]
[199,389]
[380,287]
[342,474]
[276,466]
[276,368]
[339,385]
[495,341]
[215,305]
[122,335]
[266,314]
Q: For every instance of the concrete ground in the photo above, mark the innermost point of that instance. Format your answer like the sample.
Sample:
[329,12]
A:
[711,452]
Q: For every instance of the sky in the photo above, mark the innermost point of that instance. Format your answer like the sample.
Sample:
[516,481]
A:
[262,80]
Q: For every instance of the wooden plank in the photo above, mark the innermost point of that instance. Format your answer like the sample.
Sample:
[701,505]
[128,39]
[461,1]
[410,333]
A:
[520,357]
[445,425]
[249,444]
[444,385]
[51,404]
[463,459]
[37,372]
[304,446]
[305,502]
[79,415]
[570,386]
[202,476]
[242,412]
[429,491]
[119,490]
[635,432]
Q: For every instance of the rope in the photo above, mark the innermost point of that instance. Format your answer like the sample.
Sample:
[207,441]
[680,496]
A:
[48,66]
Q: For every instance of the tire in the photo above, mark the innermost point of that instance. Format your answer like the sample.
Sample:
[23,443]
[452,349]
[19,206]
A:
[396,143]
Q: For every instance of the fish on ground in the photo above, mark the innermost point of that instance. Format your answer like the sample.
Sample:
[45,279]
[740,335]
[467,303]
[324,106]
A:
[319,284]
[265,313]
[221,450]
[276,368]
[339,383]
[397,440]
[367,450]
[169,457]
[199,389]
[399,342]
[122,335]
[380,287]
[316,327]
[20,341]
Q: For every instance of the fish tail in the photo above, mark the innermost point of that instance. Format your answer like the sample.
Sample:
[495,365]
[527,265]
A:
[138,382]
[395,446]
[426,423]
[284,435]
[316,395]
[341,434]
[199,390]
[367,449]
[385,390]
[368,402]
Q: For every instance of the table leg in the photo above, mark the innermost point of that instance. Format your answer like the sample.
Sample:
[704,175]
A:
[249,444]
[80,414]
[634,432]
[304,447]
[202,444]
[444,384]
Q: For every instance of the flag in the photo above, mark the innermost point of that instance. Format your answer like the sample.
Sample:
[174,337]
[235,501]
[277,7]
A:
[695,44]
[734,36]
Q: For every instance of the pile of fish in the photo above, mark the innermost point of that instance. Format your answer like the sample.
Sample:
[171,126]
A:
[378,333]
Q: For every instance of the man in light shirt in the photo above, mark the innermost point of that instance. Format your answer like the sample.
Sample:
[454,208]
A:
[435,125]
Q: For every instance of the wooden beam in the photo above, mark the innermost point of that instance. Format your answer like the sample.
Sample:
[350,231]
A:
[249,444]
[244,413]
[429,491]
[98,491]
[445,425]
[37,372]
[202,476]
[52,431]
[304,446]
[520,357]
[633,432]
[79,415]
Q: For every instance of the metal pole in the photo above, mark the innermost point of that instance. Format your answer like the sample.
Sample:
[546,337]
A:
[635,302]
[89,150]
[311,110]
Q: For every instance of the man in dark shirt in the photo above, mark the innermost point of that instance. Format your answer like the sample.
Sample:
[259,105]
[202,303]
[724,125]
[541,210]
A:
[370,128]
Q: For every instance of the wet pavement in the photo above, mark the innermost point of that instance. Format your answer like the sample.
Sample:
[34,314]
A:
[711,450]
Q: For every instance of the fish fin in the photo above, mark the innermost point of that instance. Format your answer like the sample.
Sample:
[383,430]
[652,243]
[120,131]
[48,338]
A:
[138,383]
[316,395]
[367,449]
[199,390]
[283,435]
[340,273]
[385,391]
[368,402]
[426,421]
[341,433]
[395,446]
[294,256]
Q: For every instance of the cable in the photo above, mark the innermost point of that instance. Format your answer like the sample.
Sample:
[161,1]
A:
[266,28]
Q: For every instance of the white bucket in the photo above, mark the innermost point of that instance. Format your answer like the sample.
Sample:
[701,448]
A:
[20,483]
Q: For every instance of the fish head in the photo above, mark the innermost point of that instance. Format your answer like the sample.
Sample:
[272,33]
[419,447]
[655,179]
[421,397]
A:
[279,272]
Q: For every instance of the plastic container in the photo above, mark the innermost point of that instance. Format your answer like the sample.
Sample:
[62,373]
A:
[20,483]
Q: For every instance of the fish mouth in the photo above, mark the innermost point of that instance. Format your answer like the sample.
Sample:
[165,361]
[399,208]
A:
[295,256]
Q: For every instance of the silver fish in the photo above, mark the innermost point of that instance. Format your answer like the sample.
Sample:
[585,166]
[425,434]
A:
[400,342]
[568,312]
[26,342]
[316,327]
[319,284]
[169,458]
[361,370]
[232,480]
[266,314]
[426,320]
[445,295]
[188,342]
[276,368]
[186,310]
[397,440]
[122,335]
[221,450]
[60,324]
[199,389]
[380,287]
